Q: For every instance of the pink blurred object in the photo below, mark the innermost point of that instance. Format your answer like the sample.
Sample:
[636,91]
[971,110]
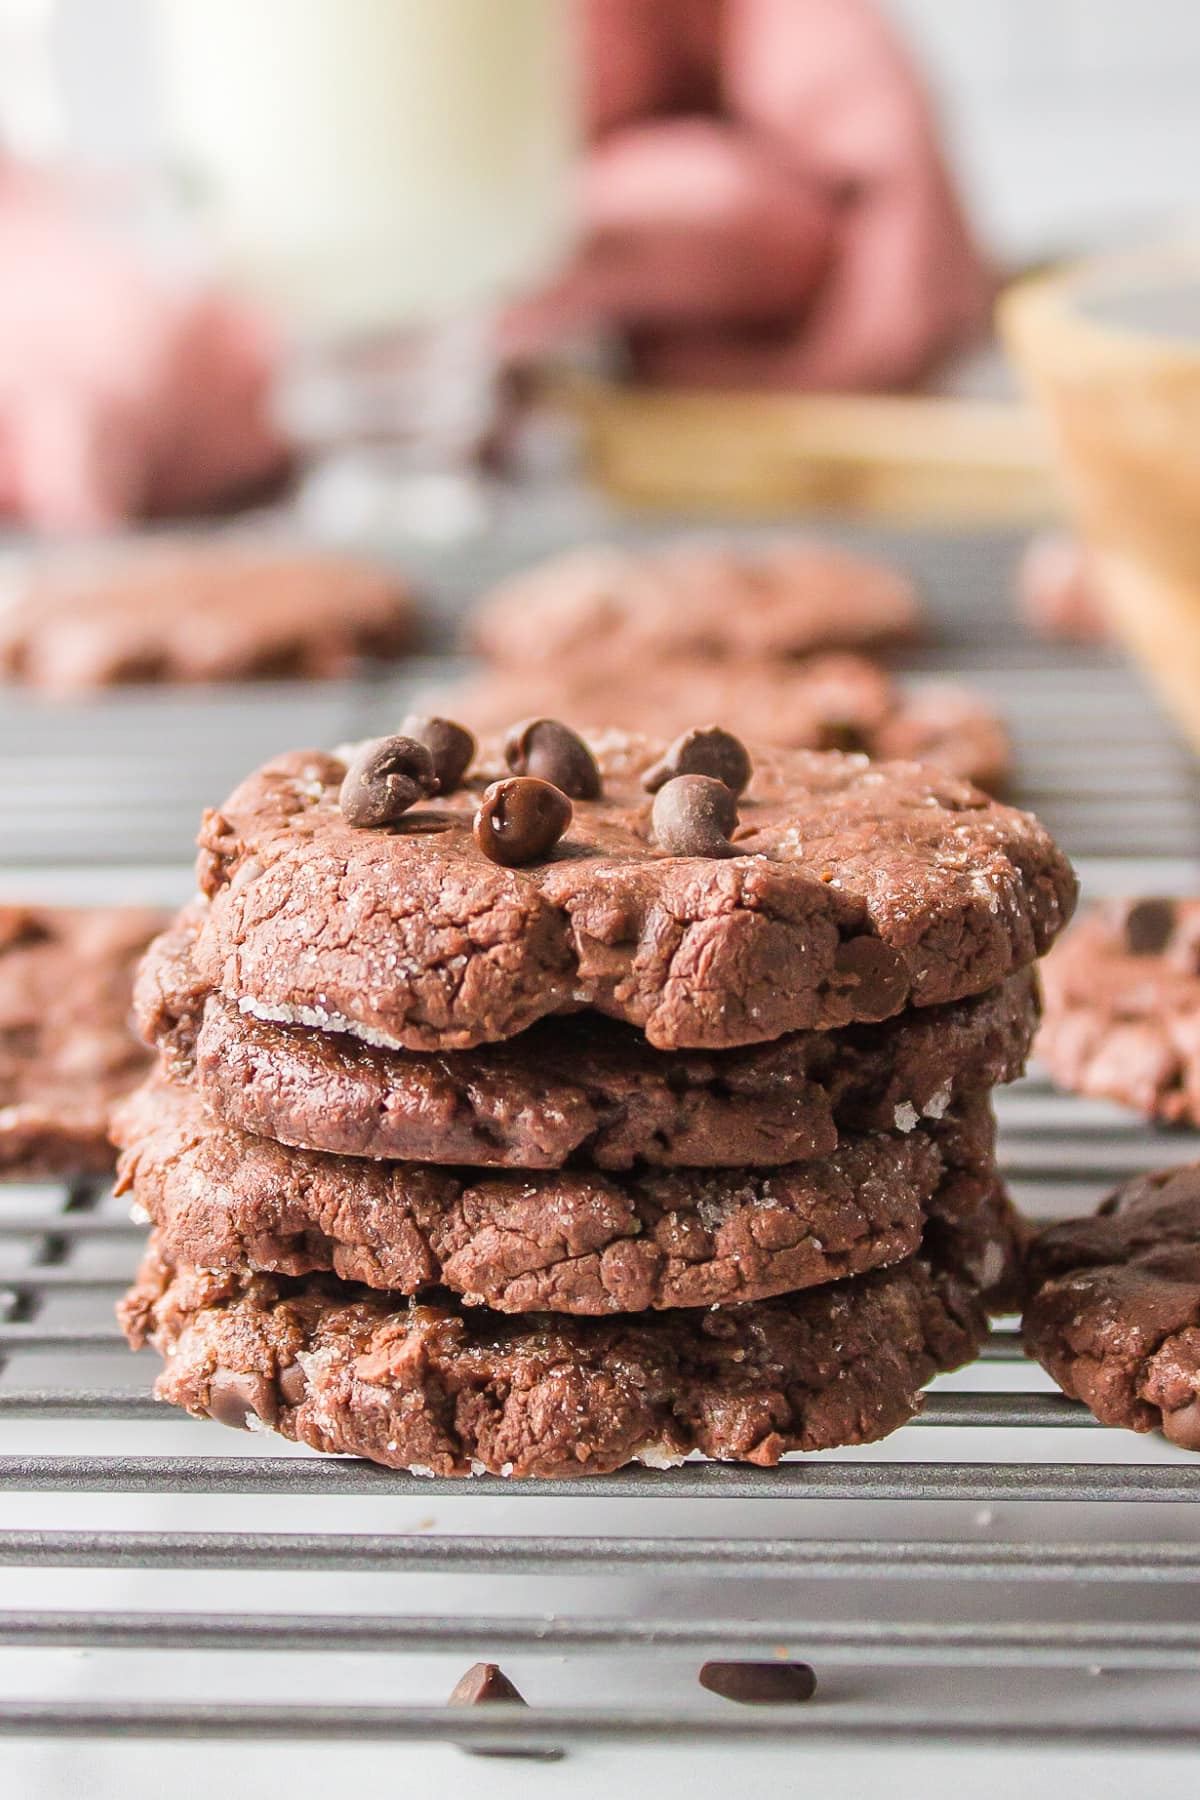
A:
[765,203]
[120,394]
[1058,591]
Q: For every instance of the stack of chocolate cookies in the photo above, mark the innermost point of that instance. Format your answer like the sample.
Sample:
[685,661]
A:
[539,1109]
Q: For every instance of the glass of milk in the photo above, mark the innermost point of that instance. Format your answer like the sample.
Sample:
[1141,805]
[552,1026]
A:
[385,175]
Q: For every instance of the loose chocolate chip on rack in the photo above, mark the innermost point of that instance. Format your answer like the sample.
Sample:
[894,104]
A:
[451,746]
[694,815]
[1148,926]
[481,1683]
[387,776]
[234,1398]
[484,1683]
[759,1684]
[553,752]
[706,750]
[521,819]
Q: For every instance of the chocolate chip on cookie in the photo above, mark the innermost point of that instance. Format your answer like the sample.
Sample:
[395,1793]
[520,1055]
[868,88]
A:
[235,1397]
[385,778]
[451,746]
[705,750]
[520,820]
[553,752]
[694,815]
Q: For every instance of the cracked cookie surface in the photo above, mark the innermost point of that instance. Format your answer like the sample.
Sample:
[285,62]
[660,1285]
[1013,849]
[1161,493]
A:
[572,1240]
[854,891]
[444,1391]
[575,1088]
[67,1047]
[1115,1309]
[1123,1008]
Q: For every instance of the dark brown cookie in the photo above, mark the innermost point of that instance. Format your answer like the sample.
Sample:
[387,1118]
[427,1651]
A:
[1123,1008]
[614,610]
[1115,1308]
[824,703]
[855,891]
[569,1240]
[203,612]
[67,1049]
[582,1087]
[443,1391]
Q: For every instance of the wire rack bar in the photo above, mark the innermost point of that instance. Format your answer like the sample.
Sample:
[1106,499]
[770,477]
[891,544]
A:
[980,1483]
[1074,1645]
[520,1729]
[474,1554]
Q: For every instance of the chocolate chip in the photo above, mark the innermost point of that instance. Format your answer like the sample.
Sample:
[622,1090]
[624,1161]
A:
[1148,926]
[706,750]
[451,746]
[759,1684]
[843,735]
[553,752]
[234,1398]
[482,1684]
[694,815]
[293,1385]
[521,819]
[877,974]
[387,776]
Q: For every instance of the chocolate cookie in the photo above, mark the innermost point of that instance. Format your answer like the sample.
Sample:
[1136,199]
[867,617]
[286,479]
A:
[849,891]
[202,612]
[442,1391]
[67,1051]
[582,1087]
[824,703]
[611,611]
[569,1240]
[1115,1312]
[1123,1008]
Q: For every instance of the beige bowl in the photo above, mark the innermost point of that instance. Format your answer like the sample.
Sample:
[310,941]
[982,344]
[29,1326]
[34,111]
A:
[1111,352]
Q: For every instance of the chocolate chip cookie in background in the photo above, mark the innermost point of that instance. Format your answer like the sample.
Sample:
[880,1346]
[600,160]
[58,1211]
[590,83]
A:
[653,640]
[832,702]
[1114,1313]
[612,612]
[1122,999]
[200,611]
[638,1097]
[67,1048]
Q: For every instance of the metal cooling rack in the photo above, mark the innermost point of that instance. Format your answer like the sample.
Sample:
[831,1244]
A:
[1002,1569]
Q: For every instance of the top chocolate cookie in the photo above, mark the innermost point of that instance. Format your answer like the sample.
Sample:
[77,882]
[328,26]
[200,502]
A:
[832,890]
[201,612]
[617,610]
